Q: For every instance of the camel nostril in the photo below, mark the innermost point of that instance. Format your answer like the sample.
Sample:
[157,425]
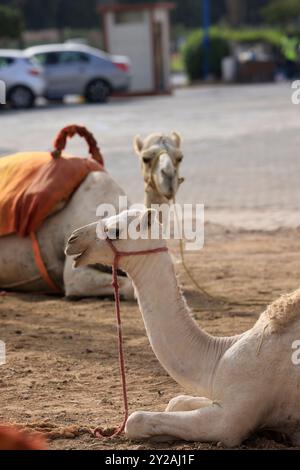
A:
[73,239]
[167,175]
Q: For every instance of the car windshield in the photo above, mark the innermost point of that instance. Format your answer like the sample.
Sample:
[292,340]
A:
[6,61]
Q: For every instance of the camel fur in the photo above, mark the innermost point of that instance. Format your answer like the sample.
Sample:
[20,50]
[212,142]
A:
[236,390]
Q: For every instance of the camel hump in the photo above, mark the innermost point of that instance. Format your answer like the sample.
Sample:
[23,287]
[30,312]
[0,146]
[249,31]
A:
[283,311]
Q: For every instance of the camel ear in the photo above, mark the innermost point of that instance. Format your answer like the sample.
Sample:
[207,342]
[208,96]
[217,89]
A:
[138,144]
[147,219]
[176,138]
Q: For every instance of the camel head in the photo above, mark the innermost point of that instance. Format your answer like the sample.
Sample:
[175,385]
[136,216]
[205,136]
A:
[160,157]
[130,231]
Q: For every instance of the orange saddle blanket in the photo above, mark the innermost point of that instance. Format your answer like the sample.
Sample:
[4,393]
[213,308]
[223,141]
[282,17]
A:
[33,185]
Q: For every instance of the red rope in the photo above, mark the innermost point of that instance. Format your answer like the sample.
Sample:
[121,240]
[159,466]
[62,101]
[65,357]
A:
[41,265]
[69,132]
[99,433]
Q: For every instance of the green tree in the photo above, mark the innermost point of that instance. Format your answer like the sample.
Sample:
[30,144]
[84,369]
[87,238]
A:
[11,23]
[82,14]
[57,13]
[281,12]
[188,12]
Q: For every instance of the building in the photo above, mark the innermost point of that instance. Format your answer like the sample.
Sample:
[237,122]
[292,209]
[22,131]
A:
[142,32]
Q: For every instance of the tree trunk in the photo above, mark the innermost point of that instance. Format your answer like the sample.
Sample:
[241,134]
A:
[236,11]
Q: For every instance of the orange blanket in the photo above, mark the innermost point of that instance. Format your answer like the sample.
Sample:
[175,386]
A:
[33,184]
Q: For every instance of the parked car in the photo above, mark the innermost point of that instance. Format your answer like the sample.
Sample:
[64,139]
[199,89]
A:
[23,77]
[77,69]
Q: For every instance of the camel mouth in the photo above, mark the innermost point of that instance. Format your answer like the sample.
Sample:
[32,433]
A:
[79,257]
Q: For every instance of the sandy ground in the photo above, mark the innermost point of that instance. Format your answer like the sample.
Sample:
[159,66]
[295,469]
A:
[62,371]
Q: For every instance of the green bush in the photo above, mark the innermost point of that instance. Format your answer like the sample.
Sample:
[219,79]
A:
[11,23]
[193,54]
[272,37]
[220,41]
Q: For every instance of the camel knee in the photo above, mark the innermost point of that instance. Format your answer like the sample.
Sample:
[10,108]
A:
[231,433]
[134,425]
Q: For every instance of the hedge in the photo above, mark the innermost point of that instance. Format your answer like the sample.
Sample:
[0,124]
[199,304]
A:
[193,54]
[220,42]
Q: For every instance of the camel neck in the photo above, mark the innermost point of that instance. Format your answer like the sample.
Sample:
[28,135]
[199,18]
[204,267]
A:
[187,353]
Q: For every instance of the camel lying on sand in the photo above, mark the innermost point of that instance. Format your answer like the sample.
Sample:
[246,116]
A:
[241,384]
[18,270]
[160,156]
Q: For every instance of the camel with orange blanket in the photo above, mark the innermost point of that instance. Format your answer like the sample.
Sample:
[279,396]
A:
[44,197]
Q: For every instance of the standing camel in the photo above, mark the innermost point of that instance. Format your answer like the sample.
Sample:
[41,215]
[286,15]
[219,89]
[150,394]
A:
[241,384]
[160,158]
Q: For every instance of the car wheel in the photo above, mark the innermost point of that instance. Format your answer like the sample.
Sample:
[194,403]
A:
[21,97]
[97,91]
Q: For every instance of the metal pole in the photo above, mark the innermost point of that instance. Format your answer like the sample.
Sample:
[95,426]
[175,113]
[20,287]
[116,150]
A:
[206,41]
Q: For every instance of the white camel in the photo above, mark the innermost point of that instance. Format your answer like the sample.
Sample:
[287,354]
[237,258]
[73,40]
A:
[18,270]
[241,384]
[160,157]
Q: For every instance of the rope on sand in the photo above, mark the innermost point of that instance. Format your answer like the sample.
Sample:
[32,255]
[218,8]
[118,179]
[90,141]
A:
[188,270]
[53,432]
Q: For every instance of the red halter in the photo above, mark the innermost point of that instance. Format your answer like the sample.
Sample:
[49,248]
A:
[117,255]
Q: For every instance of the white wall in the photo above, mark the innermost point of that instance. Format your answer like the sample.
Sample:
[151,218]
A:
[135,41]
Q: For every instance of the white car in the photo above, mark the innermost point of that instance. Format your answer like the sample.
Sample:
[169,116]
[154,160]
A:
[23,77]
[76,69]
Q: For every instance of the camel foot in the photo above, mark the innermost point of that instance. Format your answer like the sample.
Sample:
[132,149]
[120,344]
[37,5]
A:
[207,424]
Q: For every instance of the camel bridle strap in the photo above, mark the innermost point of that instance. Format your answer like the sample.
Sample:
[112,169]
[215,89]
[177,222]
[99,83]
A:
[150,182]
[117,256]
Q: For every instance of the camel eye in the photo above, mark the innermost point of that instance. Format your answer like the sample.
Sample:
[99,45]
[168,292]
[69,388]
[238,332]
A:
[147,160]
[179,159]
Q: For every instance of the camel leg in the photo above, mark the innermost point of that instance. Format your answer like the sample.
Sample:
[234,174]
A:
[215,423]
[87,282]
[187,403]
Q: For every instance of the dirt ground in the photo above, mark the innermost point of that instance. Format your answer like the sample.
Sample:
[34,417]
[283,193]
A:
[62,374]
